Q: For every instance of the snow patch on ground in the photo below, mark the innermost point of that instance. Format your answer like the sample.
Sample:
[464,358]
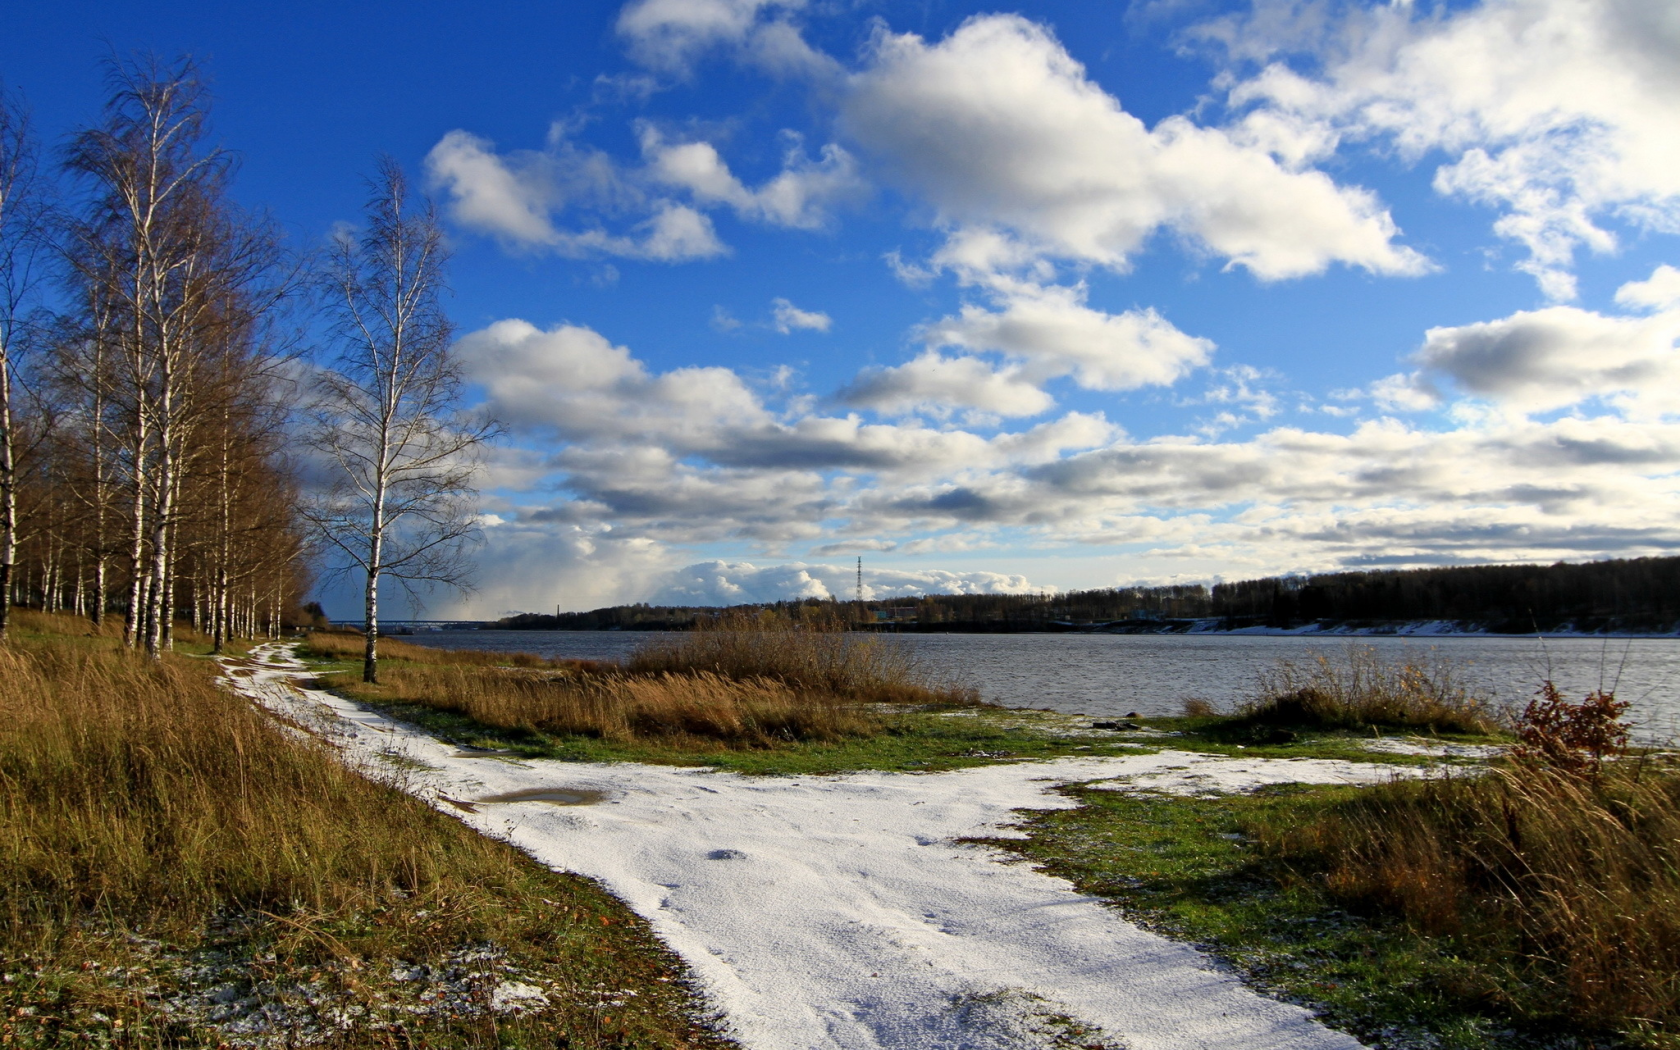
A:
[1208,776]
[1433,748]
[843,911]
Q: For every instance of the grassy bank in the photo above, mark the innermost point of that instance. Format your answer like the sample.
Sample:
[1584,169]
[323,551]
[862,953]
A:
[1533,903]
[176,870]
[761,695]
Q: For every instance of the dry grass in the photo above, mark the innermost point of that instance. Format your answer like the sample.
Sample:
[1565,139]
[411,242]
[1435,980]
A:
[740,680]
[693,707]
[1565,889]
[144,813]
[34,621]
[816,654]
[1362,690]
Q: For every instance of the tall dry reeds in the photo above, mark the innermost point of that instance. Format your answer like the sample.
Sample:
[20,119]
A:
[622,707]
[141,791]
[153,825]
[815,654]
[1564,889]
[1361,690]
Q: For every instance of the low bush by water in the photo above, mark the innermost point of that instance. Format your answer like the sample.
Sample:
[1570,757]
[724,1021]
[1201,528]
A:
[1361,690]
[814,652]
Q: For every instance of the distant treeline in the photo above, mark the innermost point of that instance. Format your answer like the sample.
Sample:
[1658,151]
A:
[1642,593]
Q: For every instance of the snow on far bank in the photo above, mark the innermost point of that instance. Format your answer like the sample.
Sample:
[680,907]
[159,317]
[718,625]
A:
[1413,629]
[841,911]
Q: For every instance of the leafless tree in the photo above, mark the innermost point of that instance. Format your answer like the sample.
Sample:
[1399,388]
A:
[23,223]
[174,275]
[401,504]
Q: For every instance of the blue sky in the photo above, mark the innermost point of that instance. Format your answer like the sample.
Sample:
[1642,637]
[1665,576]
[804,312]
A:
[1001,298]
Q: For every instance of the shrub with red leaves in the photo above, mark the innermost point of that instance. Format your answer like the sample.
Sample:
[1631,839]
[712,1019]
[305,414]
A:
[1572,737]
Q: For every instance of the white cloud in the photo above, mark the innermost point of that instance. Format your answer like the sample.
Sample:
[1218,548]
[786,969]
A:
[488,194]
[799,196]
[1584,484]
[669,35]
[645,428]
[513,198]
[790,318]
[1659,291]
[1560,356]
[737,583]
[999,128]
[677,232]
[1406,392]
[1054,333]
[528,567]
[934,384]
[571,381]
[1561,113]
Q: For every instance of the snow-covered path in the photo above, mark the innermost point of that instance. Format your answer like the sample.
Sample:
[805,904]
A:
[839,911]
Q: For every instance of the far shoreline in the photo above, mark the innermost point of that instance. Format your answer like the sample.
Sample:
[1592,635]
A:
[1212,627]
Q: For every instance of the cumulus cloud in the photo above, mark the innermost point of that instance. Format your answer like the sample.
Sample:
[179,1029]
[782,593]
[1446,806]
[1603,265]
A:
[1659,291]
[650,464]
[999,128]
[790,318]
[1559,356]
[799,196]
[537,565]
[1319,497]
[695,453]
[1560,113]
[677,232]
[1054,333]
[935,384]
[514,197]
[508,199]
[570,381]
[738,583]
[669,35]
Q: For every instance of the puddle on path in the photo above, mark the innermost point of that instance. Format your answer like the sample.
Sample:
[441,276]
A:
[551,795]
[483,753]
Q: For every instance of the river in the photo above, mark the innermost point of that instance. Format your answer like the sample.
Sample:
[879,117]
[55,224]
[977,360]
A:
[1111,675]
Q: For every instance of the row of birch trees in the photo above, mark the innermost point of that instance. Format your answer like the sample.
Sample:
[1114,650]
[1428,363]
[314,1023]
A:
[144,391]
[155,427]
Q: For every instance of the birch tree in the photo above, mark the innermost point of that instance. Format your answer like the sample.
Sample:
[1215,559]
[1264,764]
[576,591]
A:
[401,504]
[22,226]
